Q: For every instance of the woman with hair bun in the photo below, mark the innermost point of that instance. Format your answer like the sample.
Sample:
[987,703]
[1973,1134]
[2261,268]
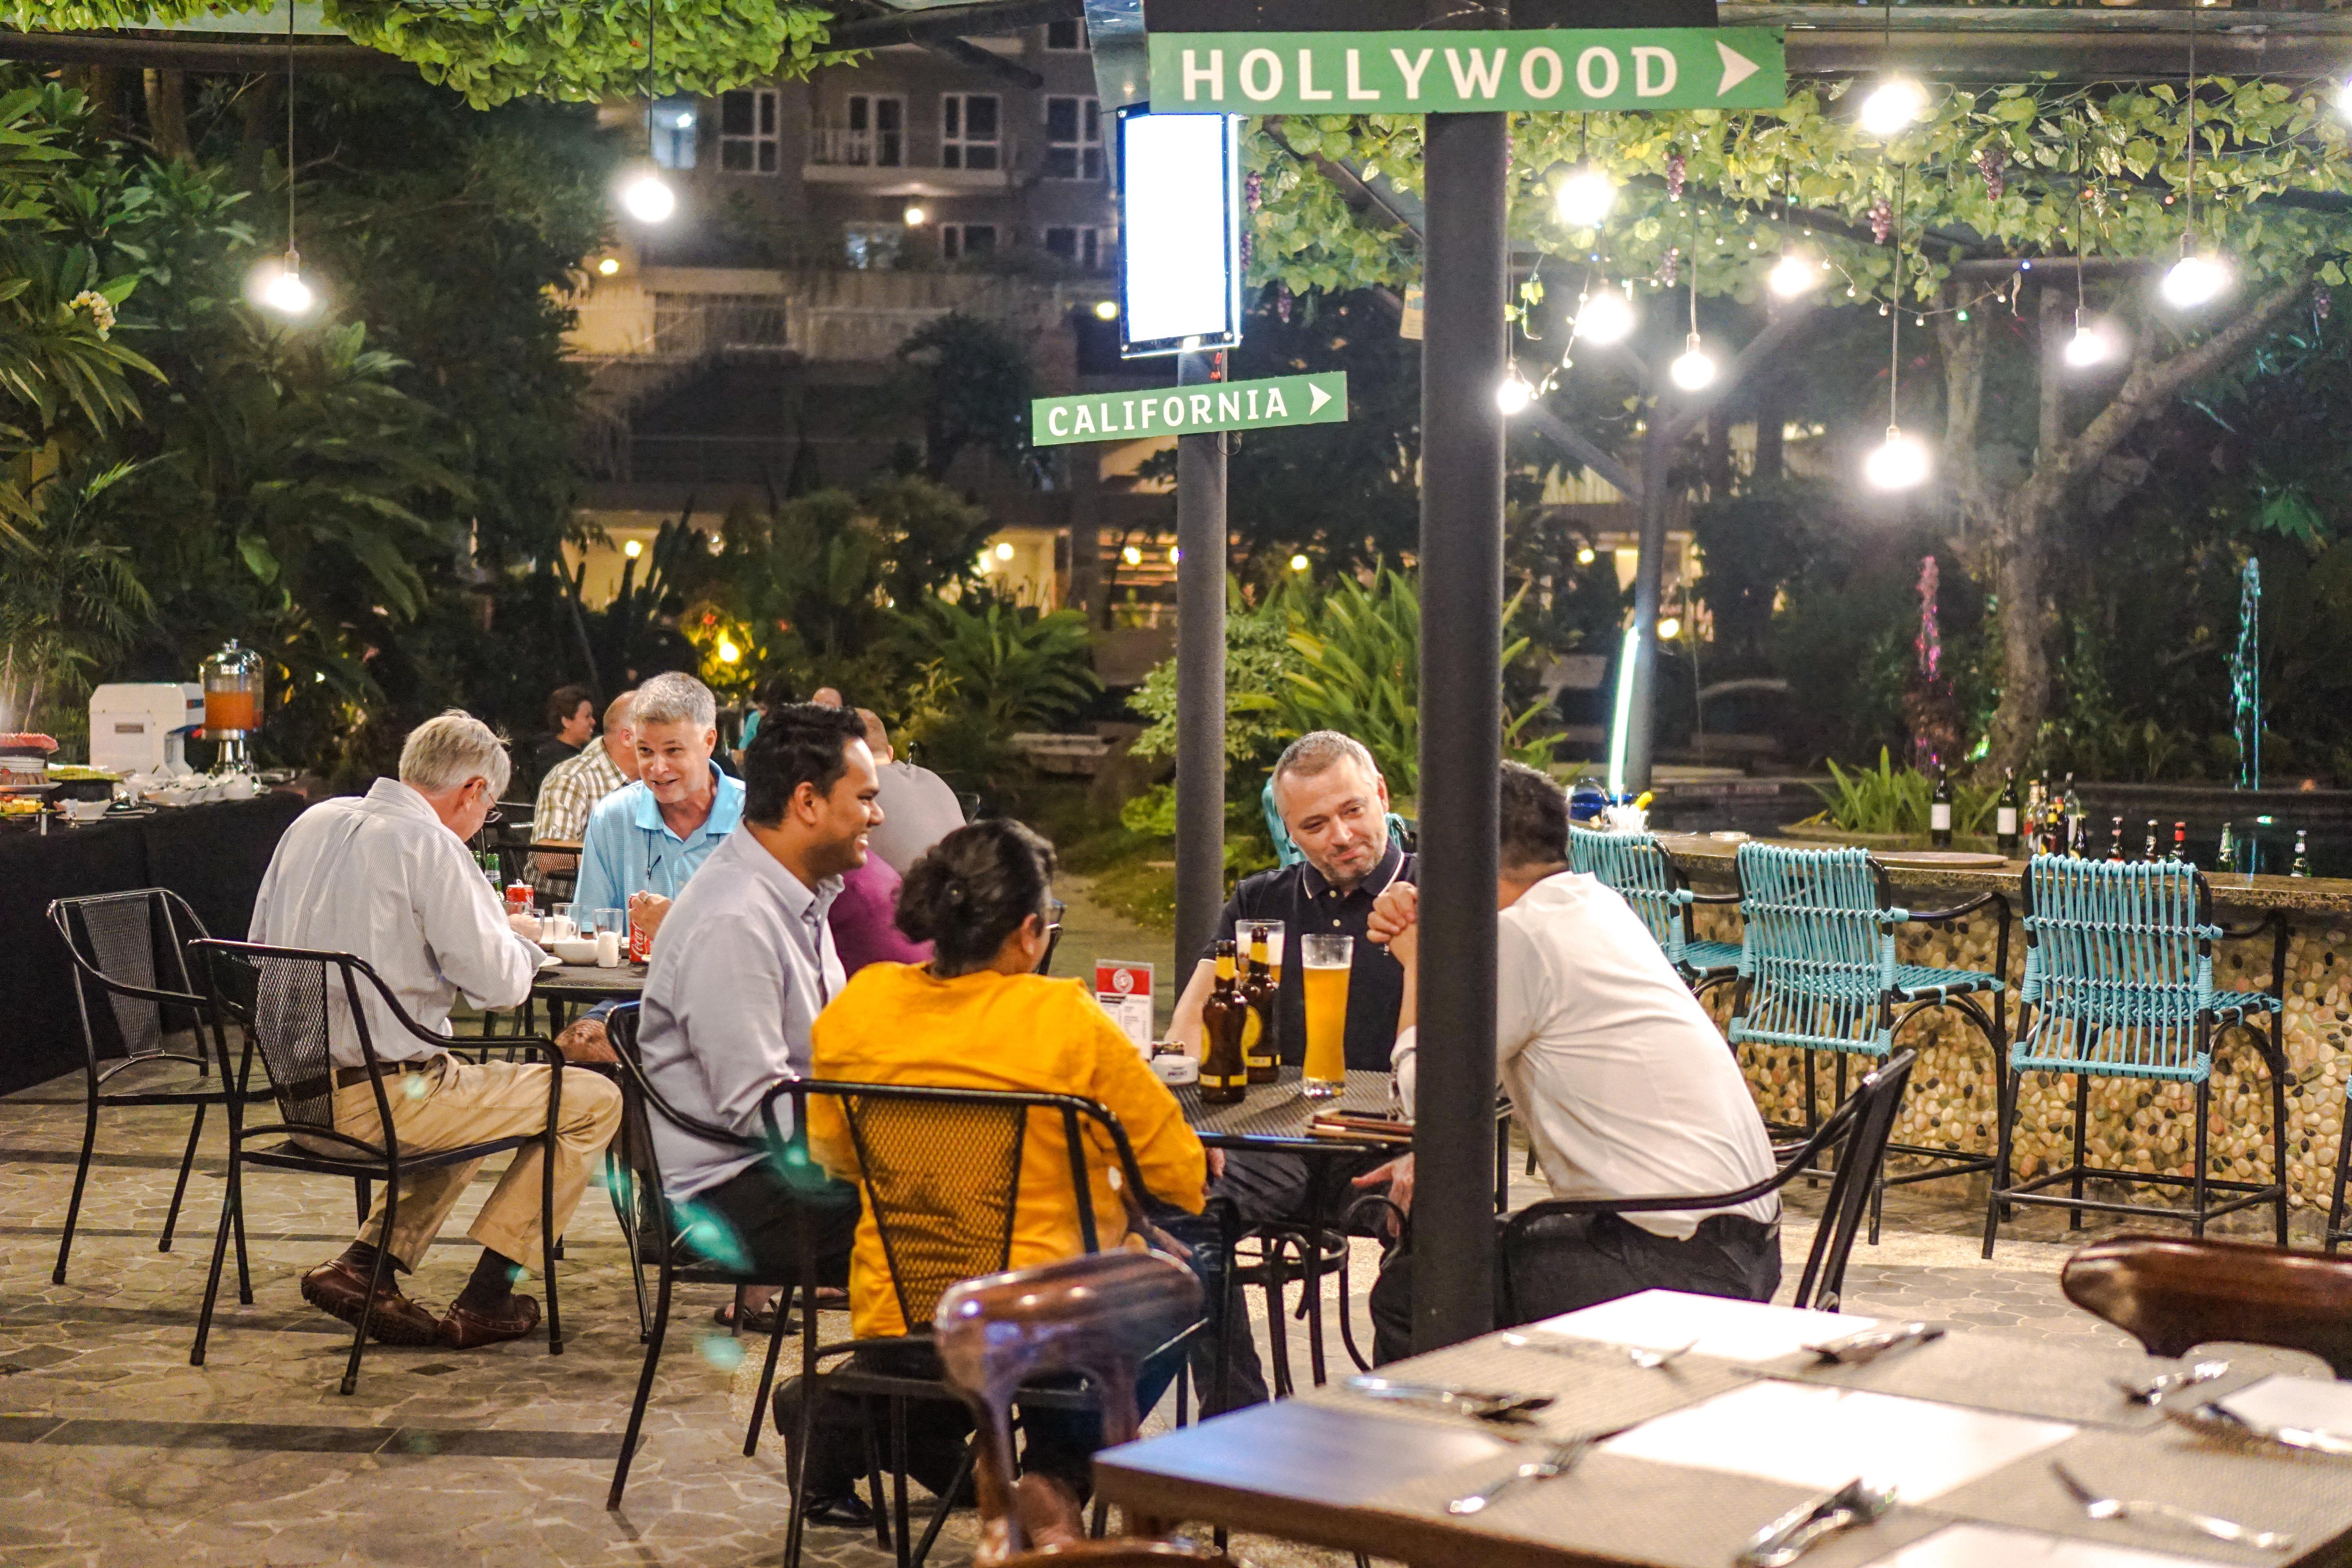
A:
[978,1015]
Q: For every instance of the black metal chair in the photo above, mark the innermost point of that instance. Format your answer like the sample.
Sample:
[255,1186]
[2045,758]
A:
[288,1000]
[1859,1127]
[939,1171]
[130,966]
[662,1237]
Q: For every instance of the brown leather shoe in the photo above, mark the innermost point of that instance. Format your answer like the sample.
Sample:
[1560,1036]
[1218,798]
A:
[340,1291]
[465,1328]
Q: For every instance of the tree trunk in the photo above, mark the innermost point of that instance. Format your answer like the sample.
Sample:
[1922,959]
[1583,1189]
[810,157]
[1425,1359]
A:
[255,122]
[2021,547]
[1719,454]
[167,112]
[1771,430]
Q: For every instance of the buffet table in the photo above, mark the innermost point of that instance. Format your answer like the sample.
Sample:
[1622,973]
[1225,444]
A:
[212,856]
[2133,1122]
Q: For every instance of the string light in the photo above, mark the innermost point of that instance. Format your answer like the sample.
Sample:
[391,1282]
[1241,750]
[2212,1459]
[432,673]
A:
[1299,564]
[2195,280]
[1585,197]
[1894,106]
[1604,318]
[1793,275]
[647,197]
[279,285]
[2093,344]
[1513,395]
[1694,368]
[1900,462]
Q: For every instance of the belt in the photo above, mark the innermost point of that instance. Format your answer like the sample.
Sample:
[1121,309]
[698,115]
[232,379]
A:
[346,1077]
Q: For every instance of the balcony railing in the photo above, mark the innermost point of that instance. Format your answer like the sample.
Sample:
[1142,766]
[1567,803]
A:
[837,146]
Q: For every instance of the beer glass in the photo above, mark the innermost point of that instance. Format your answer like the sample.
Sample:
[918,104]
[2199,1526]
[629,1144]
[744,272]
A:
[1323,962]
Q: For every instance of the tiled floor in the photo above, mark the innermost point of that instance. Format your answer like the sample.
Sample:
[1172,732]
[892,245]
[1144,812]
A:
[114,1450]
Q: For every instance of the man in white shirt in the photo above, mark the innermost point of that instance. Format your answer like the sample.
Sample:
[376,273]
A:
[745,963]
[387,875]
[1625,1087]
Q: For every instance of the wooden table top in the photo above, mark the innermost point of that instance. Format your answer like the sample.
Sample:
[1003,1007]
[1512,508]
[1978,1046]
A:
[1968,1427]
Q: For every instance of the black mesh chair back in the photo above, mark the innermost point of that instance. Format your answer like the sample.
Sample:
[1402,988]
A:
[1858,1129]
[940,1180]
[288,1001]
[130,951]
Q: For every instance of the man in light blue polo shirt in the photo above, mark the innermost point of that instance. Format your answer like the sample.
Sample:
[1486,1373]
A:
[644,841]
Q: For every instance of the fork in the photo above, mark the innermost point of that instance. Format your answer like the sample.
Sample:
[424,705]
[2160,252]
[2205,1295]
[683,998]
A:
[2153,1391]
[1556,1460]
[2095,1506]
[1641,1356]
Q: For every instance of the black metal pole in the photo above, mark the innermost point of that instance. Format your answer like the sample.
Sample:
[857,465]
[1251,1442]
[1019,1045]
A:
[1467,168]
[1199,681]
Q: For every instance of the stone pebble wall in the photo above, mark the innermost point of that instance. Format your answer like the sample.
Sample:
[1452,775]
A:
[2134,1124]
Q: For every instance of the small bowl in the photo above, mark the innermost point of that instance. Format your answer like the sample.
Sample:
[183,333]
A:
[1176,1068]
[86,810]
[575,950]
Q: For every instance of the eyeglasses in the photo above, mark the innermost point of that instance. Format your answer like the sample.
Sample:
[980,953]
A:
[1055,909]
[492,816]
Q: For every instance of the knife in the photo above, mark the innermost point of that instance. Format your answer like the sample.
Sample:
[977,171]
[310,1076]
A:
[1861,1349]
[2216,1421]
[1485,1404]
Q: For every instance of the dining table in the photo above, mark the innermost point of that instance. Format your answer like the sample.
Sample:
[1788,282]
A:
[563,988]
[1667,1430]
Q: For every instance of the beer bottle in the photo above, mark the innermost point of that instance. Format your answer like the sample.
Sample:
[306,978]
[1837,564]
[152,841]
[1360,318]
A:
[1261,1051]
[2302,866]
[2179,842]
[2005,814]
[2147,850]
[2115,840]
[1224,1076]
[1940,810]
[2226,858]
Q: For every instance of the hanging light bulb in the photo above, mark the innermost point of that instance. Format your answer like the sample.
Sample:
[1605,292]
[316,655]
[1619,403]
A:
[648,198]
[1899,462]
[279,286]
[2195,280]
[2343,100]
[1694,369]
[1585,197]
[1894,106]
[1604,318]
[1513,395]
[1793,275]
[2093,344]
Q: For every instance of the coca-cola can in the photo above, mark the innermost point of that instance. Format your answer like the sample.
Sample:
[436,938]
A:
[641,940]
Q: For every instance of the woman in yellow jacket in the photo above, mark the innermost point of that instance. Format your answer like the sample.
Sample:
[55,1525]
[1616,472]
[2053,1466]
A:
[979,1016]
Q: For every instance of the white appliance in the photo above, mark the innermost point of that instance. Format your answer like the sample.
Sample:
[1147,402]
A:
[142,727]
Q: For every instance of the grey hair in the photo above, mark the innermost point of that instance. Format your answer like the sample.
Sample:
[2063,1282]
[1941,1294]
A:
[674,698]
[1320,749]
[442,753]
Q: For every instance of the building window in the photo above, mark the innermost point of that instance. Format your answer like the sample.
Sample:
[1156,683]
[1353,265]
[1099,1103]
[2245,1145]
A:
[966,241]
[1074,148]
[970,137]
[673,122]
[1066,36]
[876,133]
[1080,247]
[873,246]
[747,130]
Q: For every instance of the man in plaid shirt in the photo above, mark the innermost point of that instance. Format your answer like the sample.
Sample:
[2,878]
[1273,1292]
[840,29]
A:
[571,789]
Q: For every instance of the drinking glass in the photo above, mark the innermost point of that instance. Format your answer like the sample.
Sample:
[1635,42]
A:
[569,922]
[1324,961]
[613,920]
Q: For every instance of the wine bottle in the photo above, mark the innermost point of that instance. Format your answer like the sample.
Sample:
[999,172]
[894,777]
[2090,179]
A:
[2302,866]
[1940,810]
[2225,856]
[2005,815]
[2078,826]
[2115,841]
[2148,851]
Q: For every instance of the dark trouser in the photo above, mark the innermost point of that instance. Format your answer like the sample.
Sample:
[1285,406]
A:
[1060,1443]
[1263,1187]
[1569,1261]
[751,1223]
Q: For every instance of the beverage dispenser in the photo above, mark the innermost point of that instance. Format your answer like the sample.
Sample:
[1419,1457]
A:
[232,682]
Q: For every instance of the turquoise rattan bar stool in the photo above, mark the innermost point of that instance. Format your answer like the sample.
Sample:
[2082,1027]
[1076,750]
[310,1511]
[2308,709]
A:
[2119,984]
[1647,877]
[1818,974]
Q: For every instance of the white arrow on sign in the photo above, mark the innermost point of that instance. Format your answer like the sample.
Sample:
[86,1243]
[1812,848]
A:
[1736,68]
[1316,398]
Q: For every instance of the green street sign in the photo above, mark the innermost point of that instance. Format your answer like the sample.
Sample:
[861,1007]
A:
[1458,72]
[1191,410]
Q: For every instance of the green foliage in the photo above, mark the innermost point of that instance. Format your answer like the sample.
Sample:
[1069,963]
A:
[1018,668]
[970,383]
[1891,800]
[585,50]
[1349,659]
[2127,145]
[70,597]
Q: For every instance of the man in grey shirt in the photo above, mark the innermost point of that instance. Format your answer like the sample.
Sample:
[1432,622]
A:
[918,809]
[744,964]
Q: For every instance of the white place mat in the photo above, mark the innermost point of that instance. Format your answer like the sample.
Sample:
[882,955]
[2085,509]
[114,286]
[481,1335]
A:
[1812,1435]
[1749,1331]
[2315,1404]
[1985,1546]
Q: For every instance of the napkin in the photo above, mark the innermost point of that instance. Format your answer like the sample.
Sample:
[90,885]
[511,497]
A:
[2314,1403]
[1746,1331]
[1986,1546]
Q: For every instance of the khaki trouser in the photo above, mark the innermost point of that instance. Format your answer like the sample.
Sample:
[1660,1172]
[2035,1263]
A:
[448,1104]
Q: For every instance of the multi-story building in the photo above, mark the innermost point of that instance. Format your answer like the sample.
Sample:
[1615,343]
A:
[735,348]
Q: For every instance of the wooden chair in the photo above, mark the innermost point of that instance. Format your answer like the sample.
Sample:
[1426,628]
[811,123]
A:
[2172,1295]
[1100,1316]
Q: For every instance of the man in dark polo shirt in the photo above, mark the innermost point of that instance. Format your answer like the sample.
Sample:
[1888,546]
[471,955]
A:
[1335,804]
